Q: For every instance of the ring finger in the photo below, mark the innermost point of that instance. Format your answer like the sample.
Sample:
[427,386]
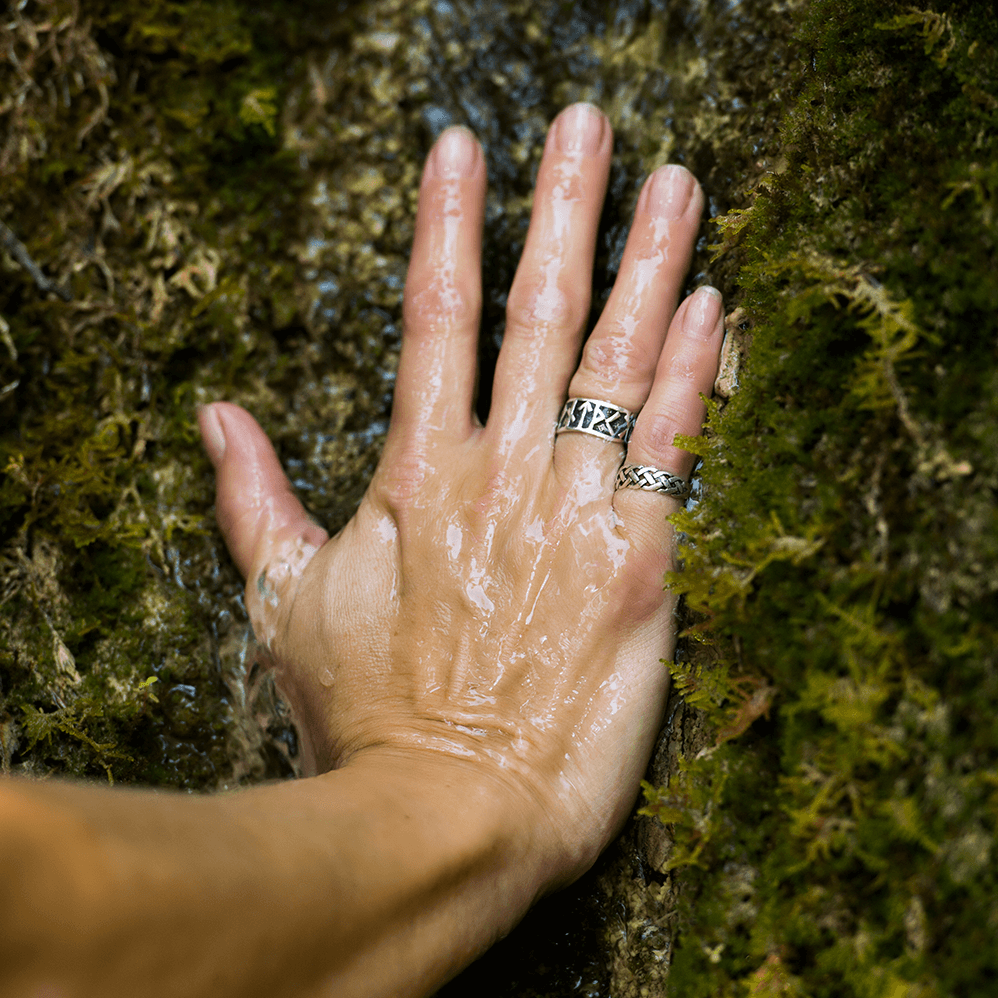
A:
[685,372]
[620,357]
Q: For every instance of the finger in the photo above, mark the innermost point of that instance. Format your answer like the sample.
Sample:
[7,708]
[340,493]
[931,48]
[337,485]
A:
[620,357]
[549,301]
[685,371]
[269,535]
[443,294]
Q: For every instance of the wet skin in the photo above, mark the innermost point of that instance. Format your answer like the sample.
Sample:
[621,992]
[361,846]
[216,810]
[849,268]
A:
[493,598]
[475,660]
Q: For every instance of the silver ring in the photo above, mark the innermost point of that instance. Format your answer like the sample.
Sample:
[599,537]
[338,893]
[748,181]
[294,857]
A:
[598,418]
[648,479]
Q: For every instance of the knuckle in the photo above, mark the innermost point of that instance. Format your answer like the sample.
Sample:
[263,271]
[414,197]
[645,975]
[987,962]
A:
[683,367]
[402,482]
[496,495]
[439,304]
[545,303]
[617,358]
[655,431]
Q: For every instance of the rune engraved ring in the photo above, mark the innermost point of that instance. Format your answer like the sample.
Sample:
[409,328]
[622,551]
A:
[598,418]
[641,476]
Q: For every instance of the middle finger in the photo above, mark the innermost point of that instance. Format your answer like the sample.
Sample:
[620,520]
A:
[549,301]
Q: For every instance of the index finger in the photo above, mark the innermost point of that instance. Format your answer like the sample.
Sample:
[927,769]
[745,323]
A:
[443,294]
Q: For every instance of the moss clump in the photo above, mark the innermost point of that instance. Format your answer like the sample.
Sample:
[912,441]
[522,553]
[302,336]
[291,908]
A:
[838,838]
[141,191]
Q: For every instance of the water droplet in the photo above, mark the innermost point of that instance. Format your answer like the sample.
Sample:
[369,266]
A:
[326,676]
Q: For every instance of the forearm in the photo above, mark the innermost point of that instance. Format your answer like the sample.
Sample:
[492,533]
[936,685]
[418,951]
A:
[382,878]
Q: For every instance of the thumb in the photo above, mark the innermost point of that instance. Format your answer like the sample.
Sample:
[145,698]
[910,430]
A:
[269,535]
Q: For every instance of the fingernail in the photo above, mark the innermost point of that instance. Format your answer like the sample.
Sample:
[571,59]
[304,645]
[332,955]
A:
[454,154]
[579,129]
[669,191]
[212,434]
[704,311]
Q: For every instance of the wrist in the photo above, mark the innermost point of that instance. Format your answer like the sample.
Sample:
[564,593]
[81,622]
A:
[445,860]
[483,815]
[536,816]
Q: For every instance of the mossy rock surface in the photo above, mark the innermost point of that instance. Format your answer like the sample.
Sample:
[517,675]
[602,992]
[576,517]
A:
[838,835]
[217,199]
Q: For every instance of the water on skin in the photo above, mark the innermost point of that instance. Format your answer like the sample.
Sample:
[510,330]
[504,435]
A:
[276,582]
[443,297]
[505,70]
[540,964]
[368,88]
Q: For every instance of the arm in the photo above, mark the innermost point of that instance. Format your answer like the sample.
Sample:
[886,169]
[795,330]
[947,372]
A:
[381,878]
[474,662]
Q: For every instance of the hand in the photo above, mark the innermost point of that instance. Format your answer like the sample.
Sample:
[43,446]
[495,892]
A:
[494,602]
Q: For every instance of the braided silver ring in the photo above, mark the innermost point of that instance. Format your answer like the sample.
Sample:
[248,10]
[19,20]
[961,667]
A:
[600,419]
[648,479]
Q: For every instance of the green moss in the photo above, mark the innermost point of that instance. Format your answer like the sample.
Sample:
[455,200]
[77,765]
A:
[227,191]
[141,167]
[843,557]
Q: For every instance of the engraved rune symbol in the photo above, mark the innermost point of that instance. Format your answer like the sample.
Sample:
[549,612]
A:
[601,419]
